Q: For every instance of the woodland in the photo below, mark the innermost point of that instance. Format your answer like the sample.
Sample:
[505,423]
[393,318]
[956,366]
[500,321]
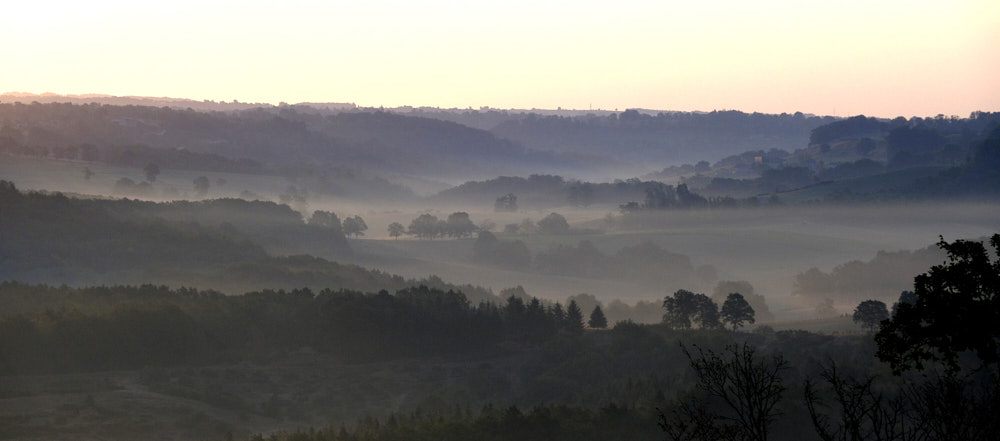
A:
[195,270]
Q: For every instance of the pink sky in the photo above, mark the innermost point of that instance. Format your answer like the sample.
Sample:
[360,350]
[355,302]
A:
[880,58]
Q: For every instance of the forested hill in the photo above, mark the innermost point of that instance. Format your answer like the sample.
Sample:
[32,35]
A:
[377,141]
[662,138]
[223,244]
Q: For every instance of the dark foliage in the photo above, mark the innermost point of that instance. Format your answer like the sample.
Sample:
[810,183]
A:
[544,422]
[956,310]
[853,127]
[741,391]
[597,319]
[685,308]
[736,311]
[850,407]
[554,223]
[870,313]
[61,329]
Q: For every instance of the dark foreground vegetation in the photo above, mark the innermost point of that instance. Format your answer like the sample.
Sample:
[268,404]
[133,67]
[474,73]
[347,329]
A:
[940,343]
[268,340]
[929,373]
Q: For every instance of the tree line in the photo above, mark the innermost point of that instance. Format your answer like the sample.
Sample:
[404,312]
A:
[61,329]
[940,345]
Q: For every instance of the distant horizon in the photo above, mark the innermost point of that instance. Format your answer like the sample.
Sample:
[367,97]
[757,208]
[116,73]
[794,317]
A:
[886,59]
[83,96]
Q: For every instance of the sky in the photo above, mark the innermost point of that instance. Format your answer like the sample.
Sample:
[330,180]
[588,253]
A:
[878,58]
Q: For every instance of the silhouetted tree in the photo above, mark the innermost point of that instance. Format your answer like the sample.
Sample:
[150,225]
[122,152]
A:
[904,297]
[325,219]
[459,224]
[558,314]
[574,318]
[708,312]
[736,311]
[759,304]
[685,306]
[354,226]
[597,319]
[424,226]
[742,391]
[870,313]
[687,198]
[956,311]
[862,411]
[396,229]
[554,223]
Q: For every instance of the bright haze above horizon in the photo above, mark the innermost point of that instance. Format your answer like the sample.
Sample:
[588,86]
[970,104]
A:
[883,58]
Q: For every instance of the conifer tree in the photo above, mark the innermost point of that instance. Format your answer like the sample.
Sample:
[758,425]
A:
[574,317]
[597,319]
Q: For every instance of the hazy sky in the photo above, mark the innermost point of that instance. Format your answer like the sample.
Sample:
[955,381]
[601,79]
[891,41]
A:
[882,58]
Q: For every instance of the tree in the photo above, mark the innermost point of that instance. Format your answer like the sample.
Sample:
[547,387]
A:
[152,171]
[554,223]
[325,219]
[597,319]
[507,202]
[396,229]
[859,409]
[736,310]
[708,312]
[574,318]
[742,391]
[904,297]
[354,226]
[956,311]
[870,313]
[87,173]
[201,185]
[685,306]
[759,304]
[424,226]
[557,313]
[459,224]
[330,221]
